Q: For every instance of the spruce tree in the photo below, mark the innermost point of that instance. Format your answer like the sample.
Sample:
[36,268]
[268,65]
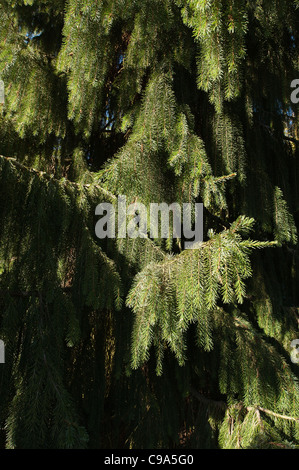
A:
[141,343]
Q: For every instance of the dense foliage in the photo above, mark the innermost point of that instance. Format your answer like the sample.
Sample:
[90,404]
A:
[140,343]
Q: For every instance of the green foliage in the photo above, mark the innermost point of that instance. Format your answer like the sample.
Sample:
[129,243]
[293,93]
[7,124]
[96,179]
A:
[138,343]
[168,296]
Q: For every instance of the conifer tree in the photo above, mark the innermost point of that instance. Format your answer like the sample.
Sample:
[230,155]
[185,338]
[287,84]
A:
[139,342]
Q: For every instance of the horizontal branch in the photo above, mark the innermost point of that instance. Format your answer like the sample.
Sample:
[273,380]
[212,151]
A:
[271,413]
[224,406]
[39,173]
[25,294]
[283,136]
[208,401]
[218,220]
[291,139]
